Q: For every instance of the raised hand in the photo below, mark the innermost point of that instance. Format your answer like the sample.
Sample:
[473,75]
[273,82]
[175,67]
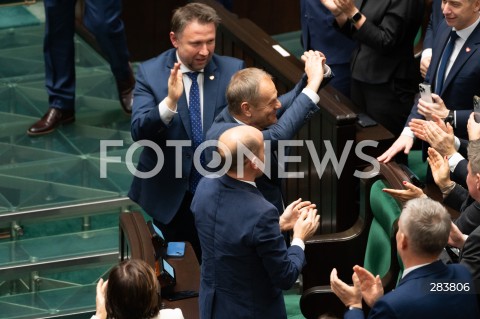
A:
[314,62]
[370,286]
[437,108]
[175,87]
[473,128]
[292,212]
[403,143]
[440,168]
[404,195]
[349,295]
[306,225]
[100,310]
[456,238]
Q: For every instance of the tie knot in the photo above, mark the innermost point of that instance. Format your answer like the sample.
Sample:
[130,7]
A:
[453,35]
[192,75]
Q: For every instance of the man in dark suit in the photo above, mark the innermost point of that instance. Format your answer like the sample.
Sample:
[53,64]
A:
[102,18]
[252,100]
[384,73]
[436,17]
[428,288]
[163,114]
[461,80]
[245,261]
[469,246]
[318,33]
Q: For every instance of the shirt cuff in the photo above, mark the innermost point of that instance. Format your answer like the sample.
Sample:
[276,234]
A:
[166,115]
[327,72]
[426,53]
[312,95]
[456,143]
[298,242]
[408,132]
[454,160]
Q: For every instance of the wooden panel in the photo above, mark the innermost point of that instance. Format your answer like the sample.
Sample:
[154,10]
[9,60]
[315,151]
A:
[273,16]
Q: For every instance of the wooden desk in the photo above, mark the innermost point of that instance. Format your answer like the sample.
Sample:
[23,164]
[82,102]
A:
[187,271]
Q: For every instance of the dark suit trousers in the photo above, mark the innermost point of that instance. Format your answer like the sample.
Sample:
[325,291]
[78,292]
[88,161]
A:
[388,103]
[182,227]
[102,18]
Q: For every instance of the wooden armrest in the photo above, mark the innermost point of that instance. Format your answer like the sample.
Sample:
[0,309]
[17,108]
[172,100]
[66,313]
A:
[135,240]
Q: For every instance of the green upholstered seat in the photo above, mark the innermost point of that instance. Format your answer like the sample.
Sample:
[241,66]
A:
[417,165]
[385,210]
[370,242]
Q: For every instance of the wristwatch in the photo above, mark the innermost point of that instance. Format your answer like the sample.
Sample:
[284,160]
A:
[450,118]
[356,17]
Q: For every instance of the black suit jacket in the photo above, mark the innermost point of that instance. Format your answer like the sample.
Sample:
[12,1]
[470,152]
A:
[385,49]
[470,257]
[469,209]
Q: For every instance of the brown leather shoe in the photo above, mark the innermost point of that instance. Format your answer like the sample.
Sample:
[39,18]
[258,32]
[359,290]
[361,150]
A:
[125,92]
[51,120]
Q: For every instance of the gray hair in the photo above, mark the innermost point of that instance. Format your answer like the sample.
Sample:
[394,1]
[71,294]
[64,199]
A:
[191,12]
[243,87]
[474,156]
[427,224]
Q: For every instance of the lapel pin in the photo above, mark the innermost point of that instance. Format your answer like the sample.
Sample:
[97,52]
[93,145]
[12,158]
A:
[467,49]
[211,77]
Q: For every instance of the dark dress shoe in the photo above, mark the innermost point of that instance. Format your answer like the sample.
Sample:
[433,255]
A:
[125,92]
[51,120]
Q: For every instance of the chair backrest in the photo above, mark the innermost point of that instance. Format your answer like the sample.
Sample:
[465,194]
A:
[135,240]
[381,253]
[370,241]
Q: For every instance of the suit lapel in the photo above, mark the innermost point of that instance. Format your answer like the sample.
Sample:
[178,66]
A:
[211,82]
[466,52]
[182,109]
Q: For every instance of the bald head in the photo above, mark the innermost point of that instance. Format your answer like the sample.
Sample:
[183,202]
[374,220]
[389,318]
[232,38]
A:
[244,141]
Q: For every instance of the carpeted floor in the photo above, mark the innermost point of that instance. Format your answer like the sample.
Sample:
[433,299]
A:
[16,16]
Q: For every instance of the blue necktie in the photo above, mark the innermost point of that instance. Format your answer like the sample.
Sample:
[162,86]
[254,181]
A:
[196,126]
[447,52]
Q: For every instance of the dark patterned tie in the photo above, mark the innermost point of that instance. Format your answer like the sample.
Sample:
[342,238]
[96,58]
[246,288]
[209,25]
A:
[196,125]
[447,52]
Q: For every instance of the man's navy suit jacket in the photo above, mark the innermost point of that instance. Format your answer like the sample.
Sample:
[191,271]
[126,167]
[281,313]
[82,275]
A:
[413,298]
[297,108]
[318,33]
[245,261]
[161,195]
[463,80]
[435,18]
[460,199]
[470,257]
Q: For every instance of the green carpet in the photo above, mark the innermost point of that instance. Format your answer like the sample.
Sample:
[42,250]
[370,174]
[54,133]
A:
[292,304]
[16,16]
